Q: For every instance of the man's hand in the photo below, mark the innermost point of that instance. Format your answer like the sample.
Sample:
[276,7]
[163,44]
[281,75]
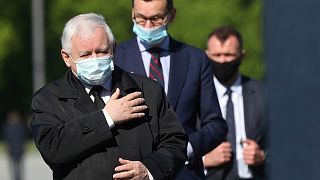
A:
[218,156]
[252,154]
[128,107]
[134,170]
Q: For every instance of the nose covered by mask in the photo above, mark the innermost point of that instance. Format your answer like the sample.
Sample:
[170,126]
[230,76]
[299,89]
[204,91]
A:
[94,71]
[224,72]
[150,36]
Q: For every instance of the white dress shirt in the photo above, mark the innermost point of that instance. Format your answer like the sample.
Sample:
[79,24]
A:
[237,99]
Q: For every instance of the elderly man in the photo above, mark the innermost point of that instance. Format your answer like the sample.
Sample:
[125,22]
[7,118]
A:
[183,71]
[99,122]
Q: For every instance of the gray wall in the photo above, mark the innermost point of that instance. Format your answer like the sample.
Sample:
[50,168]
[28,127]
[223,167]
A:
[292,42]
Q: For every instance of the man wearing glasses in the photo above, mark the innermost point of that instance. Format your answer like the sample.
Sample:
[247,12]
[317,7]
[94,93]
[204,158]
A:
[184,73]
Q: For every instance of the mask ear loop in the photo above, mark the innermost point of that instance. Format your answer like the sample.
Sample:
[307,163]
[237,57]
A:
[72,58]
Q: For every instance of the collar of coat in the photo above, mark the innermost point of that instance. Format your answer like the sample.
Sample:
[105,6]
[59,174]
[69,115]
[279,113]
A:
[71,87]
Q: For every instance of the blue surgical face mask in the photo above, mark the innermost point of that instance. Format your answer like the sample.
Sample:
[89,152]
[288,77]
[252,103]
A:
[94,71]
[151,36]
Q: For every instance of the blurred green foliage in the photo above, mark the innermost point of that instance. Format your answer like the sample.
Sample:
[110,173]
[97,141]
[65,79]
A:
[194,21]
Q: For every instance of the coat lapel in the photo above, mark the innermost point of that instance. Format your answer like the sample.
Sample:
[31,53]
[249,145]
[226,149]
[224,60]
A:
[71,88]
[248,103]
[179,63]
[122,81]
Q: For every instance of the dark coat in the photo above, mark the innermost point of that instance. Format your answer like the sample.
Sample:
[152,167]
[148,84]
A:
[76,142]
[191,93]
[255,122]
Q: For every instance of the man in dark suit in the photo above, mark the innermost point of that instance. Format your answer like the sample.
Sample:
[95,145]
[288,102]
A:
[182,70]
[99,122]
[242,102]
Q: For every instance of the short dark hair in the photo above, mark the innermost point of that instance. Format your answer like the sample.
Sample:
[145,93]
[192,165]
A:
[168,8]
[224,32]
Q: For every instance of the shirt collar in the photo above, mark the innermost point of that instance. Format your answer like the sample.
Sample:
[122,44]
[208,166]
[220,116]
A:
[221,89]
[163,45]
[106,85]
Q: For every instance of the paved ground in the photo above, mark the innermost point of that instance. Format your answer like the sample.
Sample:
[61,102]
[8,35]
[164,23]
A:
[34,168]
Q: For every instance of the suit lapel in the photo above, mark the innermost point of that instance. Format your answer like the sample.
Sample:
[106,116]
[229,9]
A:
[179,63]
[248,105]
[134,58]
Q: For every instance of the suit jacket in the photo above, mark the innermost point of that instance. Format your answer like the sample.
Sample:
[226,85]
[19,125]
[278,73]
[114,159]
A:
[191,93]
[255,122]
[75,140]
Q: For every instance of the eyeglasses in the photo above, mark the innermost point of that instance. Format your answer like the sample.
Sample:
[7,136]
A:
[154,20]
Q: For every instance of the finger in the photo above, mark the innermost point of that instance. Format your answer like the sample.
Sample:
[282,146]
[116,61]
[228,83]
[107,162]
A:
[227,150]
[123,161]
[248,154]
[116,94]
[136,101]
[138,109]
[248,141]
[132,96]
[226,144]
[249,162]
[125,167]
[136,115]
[248,159]
[125,174]
[227,158]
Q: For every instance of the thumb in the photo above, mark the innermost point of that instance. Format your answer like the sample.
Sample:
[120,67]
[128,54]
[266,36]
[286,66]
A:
[248,142]
[116,94]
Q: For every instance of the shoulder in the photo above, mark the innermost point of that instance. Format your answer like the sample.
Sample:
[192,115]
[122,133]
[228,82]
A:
[144,83]
[127,44]
[46,95]
[186,48]
[52,89]
[254,84]
[140,79]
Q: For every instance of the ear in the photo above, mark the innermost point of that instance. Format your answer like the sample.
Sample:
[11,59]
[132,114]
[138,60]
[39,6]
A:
[66,57]
[132,14]
[243,54]
[172,15]
[207,52]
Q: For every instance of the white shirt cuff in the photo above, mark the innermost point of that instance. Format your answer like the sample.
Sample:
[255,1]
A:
[108,118]
[205,169]
[150,176]
[189,153]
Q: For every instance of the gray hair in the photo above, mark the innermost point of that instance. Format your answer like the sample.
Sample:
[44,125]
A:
[84,24]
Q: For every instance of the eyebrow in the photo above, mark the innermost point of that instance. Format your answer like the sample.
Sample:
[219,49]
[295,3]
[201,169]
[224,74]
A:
[81,53]
[138,14]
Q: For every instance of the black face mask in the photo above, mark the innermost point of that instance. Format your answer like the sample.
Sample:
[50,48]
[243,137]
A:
[224,72]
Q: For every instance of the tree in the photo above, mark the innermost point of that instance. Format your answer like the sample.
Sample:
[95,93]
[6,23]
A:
[195,19]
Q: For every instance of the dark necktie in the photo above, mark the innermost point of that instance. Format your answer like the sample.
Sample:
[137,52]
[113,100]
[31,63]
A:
[96,91]
[231,136]
[155,69]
